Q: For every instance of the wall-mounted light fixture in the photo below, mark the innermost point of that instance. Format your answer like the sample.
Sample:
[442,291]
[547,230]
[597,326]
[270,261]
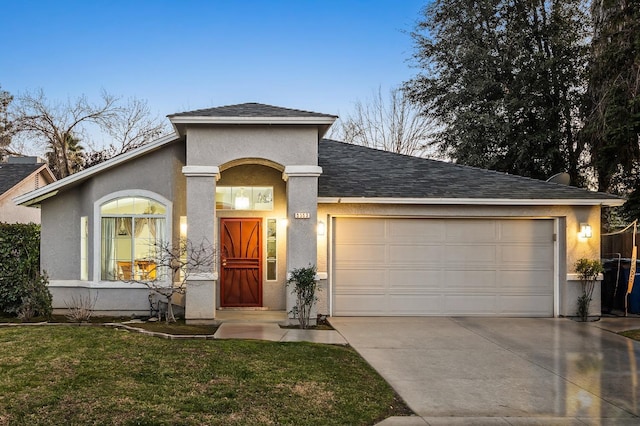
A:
[321,228]
[284,222]
[585,231]
[183,227]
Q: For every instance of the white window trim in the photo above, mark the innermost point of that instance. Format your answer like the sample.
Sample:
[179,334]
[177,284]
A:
[97,228]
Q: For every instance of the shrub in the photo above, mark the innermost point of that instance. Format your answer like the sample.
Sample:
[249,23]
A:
[588,271]
[305,286]
[23,289]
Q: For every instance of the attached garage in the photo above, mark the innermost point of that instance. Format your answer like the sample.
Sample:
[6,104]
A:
[443,266]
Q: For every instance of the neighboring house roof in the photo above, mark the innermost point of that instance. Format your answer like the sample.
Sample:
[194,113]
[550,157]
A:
[12,174]
[352,173]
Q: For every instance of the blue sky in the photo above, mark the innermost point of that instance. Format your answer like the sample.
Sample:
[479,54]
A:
[183,55]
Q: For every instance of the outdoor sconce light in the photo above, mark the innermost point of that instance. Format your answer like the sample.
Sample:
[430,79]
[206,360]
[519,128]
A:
[283,222]
[585,231]
[321,229]
[183,226]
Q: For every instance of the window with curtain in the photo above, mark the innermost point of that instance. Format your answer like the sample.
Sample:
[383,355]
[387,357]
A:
[133,231]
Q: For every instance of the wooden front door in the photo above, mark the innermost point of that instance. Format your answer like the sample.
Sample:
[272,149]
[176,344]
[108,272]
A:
[241,262]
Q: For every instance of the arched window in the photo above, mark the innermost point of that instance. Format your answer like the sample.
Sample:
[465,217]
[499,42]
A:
[133,230]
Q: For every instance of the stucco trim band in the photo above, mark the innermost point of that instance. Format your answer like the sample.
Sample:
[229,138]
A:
[203,171]
[301,171]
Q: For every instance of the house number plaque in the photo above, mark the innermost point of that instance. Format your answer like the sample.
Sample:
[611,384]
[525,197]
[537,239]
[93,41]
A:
[302,215]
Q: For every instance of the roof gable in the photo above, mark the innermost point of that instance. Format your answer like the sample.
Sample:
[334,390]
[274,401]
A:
[352,171]
[12,174]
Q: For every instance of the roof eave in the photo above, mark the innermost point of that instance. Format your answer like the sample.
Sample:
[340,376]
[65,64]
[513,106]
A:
[612,202]
[323,123]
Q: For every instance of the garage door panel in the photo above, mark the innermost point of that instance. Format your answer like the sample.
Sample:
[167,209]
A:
[411,304]
[527,255]
[526,280]
[368,279]
[416,230]
[362,304]
[354,229]
[358,253]
[470,279]
[470,304]
[529,305]
[443,267]
[468,231]
[527,231]
[421,254]
[466,253]
[402,279]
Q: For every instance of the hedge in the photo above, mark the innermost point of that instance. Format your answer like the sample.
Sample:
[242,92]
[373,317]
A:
[23,289]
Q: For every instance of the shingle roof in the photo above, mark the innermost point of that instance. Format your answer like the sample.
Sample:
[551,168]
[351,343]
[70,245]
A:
[355,171]
[250,109]
[12,174]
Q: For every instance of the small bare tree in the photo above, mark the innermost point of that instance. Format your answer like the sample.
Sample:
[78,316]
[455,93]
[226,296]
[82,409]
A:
[171,267]
[394,124]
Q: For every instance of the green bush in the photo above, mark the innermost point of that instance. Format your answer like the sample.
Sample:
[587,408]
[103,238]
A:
[305,286]
[23,289]
[588,271]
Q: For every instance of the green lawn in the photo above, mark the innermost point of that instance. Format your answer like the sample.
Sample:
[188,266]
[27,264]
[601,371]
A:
[98,375]
[632,334]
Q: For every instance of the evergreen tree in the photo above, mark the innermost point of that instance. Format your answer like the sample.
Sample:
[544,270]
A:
[504,78]
[612,114]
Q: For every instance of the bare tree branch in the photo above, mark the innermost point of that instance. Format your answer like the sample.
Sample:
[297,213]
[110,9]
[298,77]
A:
[393,124]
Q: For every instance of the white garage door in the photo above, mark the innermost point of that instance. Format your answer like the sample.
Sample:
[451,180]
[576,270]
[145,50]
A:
[386,266]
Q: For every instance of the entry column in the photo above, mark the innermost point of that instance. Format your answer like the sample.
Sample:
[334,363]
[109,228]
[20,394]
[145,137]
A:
[302,217]
[200,297]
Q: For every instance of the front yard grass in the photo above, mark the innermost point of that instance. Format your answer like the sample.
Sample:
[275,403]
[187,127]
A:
[632,334]
[51,375]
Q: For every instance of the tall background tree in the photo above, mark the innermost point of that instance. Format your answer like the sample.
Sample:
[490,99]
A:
[6,125]
[612,104]
[503,78]
[392,123]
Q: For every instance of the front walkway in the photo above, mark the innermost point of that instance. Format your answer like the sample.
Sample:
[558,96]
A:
[503,370]
[265,325]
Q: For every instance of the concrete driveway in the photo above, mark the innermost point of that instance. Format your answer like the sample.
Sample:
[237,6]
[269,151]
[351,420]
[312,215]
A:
[502,370]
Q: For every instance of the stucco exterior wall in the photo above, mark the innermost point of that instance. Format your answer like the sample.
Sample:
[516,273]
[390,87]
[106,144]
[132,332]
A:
[284,145]
[158,172]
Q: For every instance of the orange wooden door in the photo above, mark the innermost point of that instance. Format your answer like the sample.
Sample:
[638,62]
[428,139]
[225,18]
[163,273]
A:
[241,262]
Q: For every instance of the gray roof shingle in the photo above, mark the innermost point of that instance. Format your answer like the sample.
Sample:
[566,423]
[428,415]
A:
[355,171]
[12,174]
[250,109]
